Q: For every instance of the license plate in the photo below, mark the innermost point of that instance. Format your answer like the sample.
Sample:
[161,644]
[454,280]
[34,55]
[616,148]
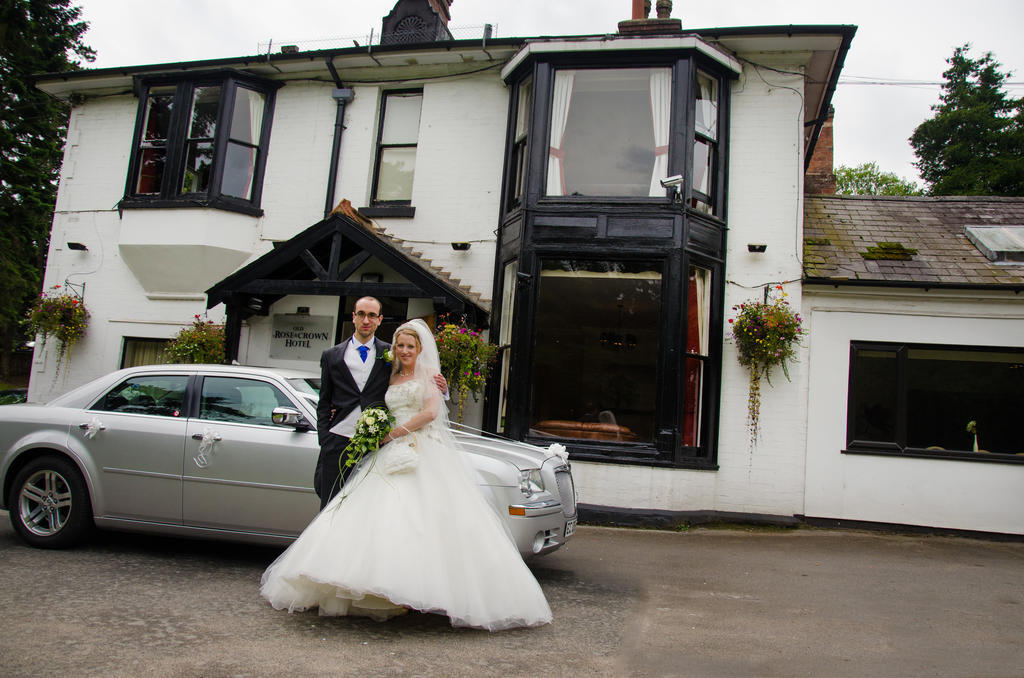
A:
[570,528]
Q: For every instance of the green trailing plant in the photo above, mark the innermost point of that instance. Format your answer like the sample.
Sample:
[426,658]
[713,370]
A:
[200,342]
[465,361]
[766,334]
[61,315]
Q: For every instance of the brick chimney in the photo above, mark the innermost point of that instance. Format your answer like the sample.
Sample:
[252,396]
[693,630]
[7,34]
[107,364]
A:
[640,24]
[443,9]
[819,178]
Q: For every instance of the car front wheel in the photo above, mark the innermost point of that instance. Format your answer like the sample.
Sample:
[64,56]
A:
[50,505]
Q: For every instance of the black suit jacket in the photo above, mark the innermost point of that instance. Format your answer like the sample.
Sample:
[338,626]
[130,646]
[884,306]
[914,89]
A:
[339,392]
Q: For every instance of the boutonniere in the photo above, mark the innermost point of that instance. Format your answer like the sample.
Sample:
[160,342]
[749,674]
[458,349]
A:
[385,356]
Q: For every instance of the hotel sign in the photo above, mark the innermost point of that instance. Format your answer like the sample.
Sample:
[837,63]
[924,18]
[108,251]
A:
[300,337]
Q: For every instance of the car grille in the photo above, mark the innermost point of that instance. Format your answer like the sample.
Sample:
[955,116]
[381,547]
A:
[566,492]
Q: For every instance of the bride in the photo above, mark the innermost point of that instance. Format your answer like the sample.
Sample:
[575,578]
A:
[410,529]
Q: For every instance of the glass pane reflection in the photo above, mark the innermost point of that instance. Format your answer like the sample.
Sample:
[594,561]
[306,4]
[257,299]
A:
[596,358]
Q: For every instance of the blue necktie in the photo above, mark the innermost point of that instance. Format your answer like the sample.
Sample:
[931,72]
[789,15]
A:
[363,351]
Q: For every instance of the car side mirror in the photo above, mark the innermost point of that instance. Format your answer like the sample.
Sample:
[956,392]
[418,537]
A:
[289,416]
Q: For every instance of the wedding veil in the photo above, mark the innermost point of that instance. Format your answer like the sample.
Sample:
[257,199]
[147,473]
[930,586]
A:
[427,365]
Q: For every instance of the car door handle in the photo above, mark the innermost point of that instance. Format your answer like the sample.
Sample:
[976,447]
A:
[87,426]
[199,436]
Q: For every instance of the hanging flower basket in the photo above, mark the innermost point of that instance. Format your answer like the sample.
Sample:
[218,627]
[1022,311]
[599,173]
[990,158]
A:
[200,342]
[766,334]
[61,315]
[465,361]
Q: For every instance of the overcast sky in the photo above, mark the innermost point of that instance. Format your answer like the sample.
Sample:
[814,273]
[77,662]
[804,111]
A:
[897,42]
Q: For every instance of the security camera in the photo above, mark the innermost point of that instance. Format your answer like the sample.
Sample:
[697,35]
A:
[670,182]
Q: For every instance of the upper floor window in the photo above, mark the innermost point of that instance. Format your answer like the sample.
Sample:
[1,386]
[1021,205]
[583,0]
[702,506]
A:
[609,132]
[521,133]
[396,147]
[705,143]
[200,140]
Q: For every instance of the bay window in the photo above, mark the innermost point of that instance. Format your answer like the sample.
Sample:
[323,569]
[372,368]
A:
[612,285]
[200,141]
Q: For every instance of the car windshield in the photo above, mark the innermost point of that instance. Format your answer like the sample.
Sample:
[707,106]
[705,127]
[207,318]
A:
[306,385]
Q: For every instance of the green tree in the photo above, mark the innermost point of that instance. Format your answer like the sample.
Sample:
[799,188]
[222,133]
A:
[868,179]
[974,143]
[36,36]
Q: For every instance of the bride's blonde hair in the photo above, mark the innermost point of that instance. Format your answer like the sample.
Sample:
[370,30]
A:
[409,332]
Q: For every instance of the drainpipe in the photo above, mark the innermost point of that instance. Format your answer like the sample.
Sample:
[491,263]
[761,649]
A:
[342,95]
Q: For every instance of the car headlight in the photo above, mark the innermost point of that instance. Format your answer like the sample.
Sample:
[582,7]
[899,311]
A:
[530,482]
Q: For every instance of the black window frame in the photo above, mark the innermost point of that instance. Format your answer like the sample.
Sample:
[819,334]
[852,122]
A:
[391,208]
[899,447]
[170,195]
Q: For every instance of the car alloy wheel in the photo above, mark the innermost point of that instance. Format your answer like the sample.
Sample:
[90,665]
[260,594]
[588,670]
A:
[50,507]
[44,503]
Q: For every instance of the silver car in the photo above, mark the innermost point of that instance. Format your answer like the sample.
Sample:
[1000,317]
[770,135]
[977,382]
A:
[219,451]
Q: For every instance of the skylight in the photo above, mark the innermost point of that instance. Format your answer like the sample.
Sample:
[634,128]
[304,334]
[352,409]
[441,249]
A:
[998,243]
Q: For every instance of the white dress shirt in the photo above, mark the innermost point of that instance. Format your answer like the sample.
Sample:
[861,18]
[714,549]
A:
[360,373]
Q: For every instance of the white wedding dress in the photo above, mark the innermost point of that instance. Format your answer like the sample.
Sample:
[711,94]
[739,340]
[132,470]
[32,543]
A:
[422,539]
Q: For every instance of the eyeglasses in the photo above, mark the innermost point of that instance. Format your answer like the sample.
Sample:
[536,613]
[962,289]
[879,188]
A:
[362,315]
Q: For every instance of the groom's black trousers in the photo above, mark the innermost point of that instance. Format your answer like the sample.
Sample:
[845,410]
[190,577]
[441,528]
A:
[327,480]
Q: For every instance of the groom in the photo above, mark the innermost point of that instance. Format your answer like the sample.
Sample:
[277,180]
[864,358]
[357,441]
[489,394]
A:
[353,376]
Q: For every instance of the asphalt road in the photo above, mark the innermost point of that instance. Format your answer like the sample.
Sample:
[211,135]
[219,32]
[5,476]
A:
[707,602]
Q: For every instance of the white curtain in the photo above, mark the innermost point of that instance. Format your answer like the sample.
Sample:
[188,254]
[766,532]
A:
[707,107]
[661,106]
[702,278]
[560,100]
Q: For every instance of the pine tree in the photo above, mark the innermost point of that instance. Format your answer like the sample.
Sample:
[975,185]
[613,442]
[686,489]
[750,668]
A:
[36,36]
[974,144]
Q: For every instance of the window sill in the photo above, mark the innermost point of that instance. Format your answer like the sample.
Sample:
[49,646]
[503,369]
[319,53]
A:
[404,211]
[949,455]
[190,203]
[628,454]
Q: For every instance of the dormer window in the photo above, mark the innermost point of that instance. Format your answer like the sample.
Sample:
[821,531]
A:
[200,141]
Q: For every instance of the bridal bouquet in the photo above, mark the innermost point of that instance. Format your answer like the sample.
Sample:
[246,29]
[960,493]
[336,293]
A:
[373,424]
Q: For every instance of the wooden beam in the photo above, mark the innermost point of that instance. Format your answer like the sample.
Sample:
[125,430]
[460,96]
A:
[350,268]
[314,265]
[332,265]
[331,288]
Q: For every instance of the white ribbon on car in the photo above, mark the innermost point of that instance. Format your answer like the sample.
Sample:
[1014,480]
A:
[558,450]
[205,448]
[93,427]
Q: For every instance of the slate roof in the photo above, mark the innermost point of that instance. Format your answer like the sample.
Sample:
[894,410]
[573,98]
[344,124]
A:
[908,241]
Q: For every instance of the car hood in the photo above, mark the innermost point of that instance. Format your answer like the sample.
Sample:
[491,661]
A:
[522,455]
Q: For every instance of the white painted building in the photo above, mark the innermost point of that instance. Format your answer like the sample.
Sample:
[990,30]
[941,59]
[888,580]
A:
[516,181]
